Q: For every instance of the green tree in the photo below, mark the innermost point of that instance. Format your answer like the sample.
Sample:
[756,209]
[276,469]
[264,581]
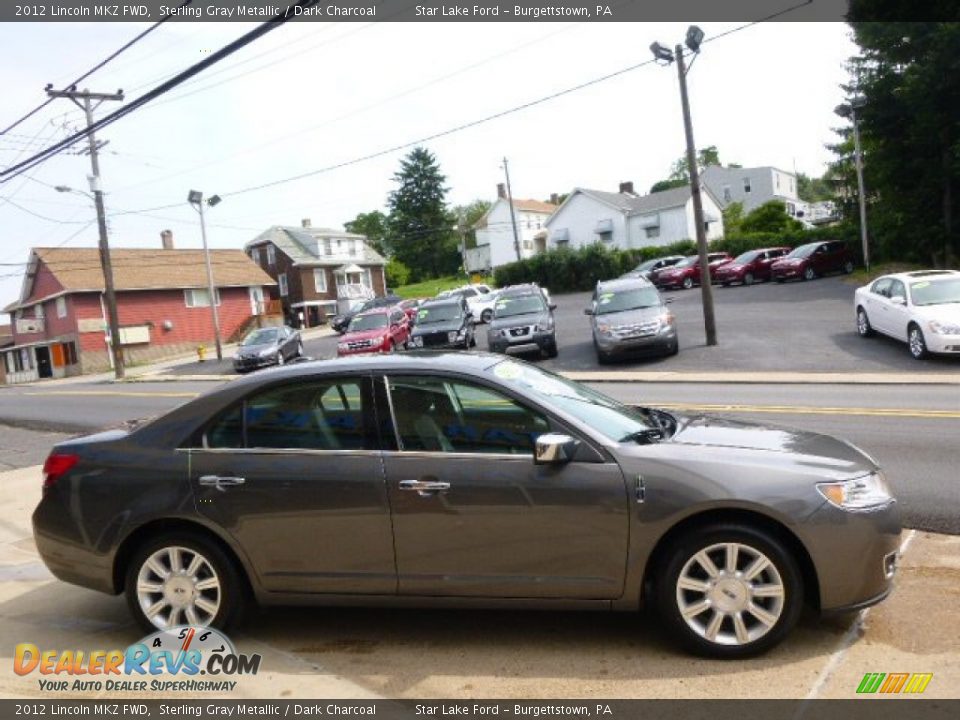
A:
[813,189]
[769,217]
[420,228]
[680,172]
[733,218]
[470,215]
[397,274]
[373,225]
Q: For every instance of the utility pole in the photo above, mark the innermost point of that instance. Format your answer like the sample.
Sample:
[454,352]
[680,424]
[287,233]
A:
[860,192]
[513,217]
[706,289]
[462,228]
[105,263]
[195,198]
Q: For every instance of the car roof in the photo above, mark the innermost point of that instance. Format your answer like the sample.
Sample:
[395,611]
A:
[920,275]
[409,361]
[448,300]
[382,310]
[517,290]
[623,284]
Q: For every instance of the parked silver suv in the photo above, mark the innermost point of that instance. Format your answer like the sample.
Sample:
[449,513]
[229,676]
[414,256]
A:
[630,316]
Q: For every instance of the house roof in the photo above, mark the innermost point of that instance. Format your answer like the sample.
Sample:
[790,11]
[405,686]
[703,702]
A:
[534,206]
[78,269]
[296,243]
[630,204]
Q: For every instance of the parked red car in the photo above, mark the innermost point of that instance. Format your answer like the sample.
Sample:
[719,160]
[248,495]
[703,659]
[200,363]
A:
[411,306]
[376,331]
[686,273]
[749,267]
[812,260]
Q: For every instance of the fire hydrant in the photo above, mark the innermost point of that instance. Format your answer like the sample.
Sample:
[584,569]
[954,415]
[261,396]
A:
[201,353]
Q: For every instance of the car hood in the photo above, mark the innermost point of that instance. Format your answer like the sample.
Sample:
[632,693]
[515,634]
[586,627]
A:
[437,327]
[730,267]
[251,350]
[363,334]
[516,320]
[946,313]
[808,448]
[630,317]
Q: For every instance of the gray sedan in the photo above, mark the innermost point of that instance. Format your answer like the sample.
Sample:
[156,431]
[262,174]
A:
[467,479]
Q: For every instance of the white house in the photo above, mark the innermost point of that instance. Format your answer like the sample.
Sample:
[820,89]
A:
[495,242]
[626,220]
[753,187]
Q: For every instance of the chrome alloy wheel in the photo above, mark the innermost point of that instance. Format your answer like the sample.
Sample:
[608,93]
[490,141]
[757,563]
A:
[730,594]
[177,585]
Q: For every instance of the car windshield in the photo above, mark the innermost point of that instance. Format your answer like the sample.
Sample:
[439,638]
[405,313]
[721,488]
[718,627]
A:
[438,313]
[368,322]
[611,302]
[519,305]
[936,292]
[648,265]
[612,419]
[803,251]
[260,337]
[746,257]
[687,262]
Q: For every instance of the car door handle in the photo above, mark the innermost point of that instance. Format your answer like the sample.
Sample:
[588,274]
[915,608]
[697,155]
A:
[220,482]
[424,488]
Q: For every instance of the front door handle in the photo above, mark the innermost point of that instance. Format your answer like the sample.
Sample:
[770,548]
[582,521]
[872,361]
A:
[424,488]
[220,482]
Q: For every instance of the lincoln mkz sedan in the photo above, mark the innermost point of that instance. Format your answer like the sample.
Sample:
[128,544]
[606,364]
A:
[453,479]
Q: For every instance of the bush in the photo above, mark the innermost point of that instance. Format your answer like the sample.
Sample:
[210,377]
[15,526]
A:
[397,273]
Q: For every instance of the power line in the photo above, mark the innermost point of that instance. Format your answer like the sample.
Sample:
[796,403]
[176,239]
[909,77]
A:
[98,66]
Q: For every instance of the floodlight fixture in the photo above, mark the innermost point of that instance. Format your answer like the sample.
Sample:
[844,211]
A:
[661,53]
[694,38]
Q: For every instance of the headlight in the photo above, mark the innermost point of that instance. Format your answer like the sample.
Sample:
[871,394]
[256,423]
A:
[342,347]
[864,493]
[666,321]
[603,328]
[545,326]
[943,328]
[418,341]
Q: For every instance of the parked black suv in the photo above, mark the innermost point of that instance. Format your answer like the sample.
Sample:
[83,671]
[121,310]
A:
[444,323]
[523,322]
[340,322]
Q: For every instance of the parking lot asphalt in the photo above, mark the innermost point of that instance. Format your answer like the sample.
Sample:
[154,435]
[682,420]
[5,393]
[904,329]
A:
[769,327]
[348,653]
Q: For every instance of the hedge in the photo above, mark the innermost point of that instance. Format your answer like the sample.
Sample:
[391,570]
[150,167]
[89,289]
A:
[566,270]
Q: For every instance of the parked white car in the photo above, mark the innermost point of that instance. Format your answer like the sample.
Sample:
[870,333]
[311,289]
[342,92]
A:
[480,299]
[919,308]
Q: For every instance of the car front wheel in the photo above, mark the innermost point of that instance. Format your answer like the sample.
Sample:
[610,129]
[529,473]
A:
[918,346]
[183,579]
[809,274]
[486,315]
[687,283]
[729,591]
[864,329]
[748,279]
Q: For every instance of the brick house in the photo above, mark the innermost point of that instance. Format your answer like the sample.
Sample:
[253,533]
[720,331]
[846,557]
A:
[59,322]
[317,270]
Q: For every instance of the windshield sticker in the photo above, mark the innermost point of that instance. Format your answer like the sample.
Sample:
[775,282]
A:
[507,371]
[423,313]
[605,298]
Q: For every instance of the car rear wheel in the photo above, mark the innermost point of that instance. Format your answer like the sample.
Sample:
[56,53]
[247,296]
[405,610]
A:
[848,267]
[864,329]
[809,274]
[918,346]
[748,279]
[486,315]
[183,579]
[687,283]
[729,591]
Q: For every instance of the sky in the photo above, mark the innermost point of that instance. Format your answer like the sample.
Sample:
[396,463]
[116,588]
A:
[314,95]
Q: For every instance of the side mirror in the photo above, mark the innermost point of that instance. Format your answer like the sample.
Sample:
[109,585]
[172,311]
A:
[588,311]
[898,300]
[554,449]
[553,306]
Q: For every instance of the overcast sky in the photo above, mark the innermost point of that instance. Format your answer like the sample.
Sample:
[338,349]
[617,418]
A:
[311,95]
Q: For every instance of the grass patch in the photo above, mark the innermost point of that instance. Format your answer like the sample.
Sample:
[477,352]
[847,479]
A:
[861,276]
[429,288]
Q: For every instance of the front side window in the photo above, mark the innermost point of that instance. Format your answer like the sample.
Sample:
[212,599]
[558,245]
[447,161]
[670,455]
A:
[321,415]
[897,289]
[435,414]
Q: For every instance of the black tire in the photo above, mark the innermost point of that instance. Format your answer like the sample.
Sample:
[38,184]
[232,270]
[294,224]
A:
[783,568]
[916,342]
[486,315]
[848,267]
[552,350]
[673,349]
[809,274]
[687,283]
[725,284]
[233,592]
[748,279]
[864,328]
[779,280]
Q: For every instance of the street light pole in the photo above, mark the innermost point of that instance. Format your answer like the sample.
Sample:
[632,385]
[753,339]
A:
[513,217]
[196,199]
[858,160]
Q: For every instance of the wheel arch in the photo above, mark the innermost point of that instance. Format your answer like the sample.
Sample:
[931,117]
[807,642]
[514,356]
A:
[751,518]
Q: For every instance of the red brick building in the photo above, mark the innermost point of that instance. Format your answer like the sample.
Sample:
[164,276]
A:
[59,323]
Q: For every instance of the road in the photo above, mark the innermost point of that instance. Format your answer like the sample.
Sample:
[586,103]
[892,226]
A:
[910,430]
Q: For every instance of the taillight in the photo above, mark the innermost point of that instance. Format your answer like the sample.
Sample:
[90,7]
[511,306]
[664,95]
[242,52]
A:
[55,466]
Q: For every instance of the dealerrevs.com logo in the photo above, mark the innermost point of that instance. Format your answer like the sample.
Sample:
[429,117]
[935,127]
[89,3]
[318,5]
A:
[198,658]
[894,683]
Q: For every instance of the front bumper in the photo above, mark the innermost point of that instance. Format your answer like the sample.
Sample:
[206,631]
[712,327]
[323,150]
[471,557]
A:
[854,555]
[660,342]
[535,342]
[947,344]
[253,363]
[786,273]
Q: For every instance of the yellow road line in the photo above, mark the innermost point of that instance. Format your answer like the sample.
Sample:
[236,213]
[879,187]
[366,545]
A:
[809,410]
[116,393]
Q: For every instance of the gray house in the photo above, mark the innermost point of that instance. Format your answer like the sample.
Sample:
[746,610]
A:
[753,187]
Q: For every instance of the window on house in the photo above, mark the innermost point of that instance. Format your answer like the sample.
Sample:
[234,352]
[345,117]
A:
[61,307]
[199,297]
[7,365]
[26,359]
[38,311]
[255,254]
[327,249]
[528,245]
[271,255]
[353,248]
[320,280]
[367,279]
[653,232]
[746,184]
[282,282]
[776,177]
[727,195]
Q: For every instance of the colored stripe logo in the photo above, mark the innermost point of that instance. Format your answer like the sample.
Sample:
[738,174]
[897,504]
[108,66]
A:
[894,683]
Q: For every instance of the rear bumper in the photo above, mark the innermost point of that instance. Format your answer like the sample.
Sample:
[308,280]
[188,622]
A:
[65,556]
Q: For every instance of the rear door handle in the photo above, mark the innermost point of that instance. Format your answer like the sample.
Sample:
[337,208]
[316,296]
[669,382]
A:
[424,488]
[220,482]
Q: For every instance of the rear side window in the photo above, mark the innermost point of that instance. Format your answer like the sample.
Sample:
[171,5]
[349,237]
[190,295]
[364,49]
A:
[319,415]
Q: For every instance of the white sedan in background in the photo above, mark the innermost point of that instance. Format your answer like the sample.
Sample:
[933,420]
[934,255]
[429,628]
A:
[919,308]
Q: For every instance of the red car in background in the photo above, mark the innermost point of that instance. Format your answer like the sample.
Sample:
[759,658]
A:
[812,260]
[749,267]
[381,330]
[686,273]
[411,306]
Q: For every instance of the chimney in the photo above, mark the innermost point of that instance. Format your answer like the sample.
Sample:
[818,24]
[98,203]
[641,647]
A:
[166,237]
[305,222]
[626,188]
[501,191]
[554,199]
